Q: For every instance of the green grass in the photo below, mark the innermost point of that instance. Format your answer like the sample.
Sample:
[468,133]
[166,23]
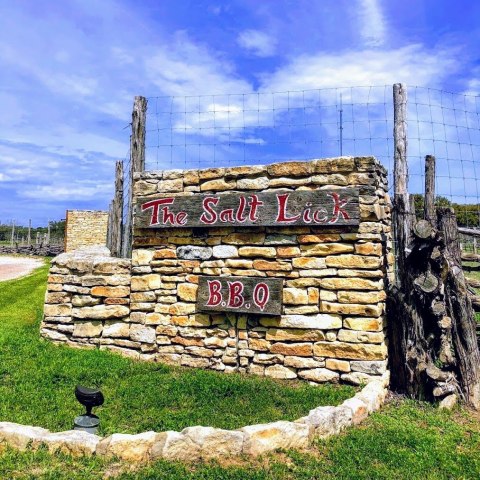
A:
[37,381]
[405,440]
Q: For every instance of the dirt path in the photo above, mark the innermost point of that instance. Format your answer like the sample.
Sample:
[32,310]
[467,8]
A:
[14,267]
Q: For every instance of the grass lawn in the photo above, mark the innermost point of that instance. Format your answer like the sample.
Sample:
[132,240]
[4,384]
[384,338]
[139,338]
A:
[37,381]
[405,440]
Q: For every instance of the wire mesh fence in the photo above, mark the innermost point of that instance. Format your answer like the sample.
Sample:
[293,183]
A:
[260,128]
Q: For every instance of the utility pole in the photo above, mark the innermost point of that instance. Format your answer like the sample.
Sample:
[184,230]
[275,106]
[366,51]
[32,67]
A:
[341,126]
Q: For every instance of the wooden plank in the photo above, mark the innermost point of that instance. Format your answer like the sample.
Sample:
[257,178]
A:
[472,282]
[469,231]
[470,257]
[304,207]
[240,294]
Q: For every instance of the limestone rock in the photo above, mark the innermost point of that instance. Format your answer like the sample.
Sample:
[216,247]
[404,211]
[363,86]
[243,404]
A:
[187,291]
[88,329]
[264,438]
[116,330]
[215,442]
[217,185]
[295,334]
[309,263]
[134,448]
[57,310]
[365,324]
[355,336]
[145,282]
[72,442]
[113,292]
[21,436]
[268,252]
[100,312]
[259,183]
[320,321]
[324,249]
[361,297]
[338,365]
[142,257]
[175,446]
[358,408]
[351,284]
[448,402]
[225,251]
[290,169]
[296,349]
[295,296]
[280,239]
[302,362]
[319,375]
[142,333]
[373,395]
[350,351]
[192,252]
[370,367]
[353,261]
[279,371]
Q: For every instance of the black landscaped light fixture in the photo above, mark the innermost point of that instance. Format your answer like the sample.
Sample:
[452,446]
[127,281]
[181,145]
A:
[89,398]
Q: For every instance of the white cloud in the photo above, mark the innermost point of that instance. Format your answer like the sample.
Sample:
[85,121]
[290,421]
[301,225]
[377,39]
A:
[413,64]
[373,29]
[185,68]
[257,42]
[71,193]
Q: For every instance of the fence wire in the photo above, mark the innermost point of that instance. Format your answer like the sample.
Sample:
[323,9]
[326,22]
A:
[260,128]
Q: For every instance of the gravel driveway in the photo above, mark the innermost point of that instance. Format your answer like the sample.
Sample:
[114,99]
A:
[14,267]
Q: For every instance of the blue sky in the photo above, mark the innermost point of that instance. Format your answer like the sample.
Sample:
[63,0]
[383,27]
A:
[70,70]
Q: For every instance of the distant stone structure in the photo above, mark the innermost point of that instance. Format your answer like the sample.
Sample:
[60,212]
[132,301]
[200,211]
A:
[85,228]
[286,278]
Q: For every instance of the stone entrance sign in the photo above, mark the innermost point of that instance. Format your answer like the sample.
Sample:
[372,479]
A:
[286,276]
[312,208]
[240,294]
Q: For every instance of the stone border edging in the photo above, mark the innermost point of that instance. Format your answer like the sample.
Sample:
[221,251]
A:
[194,443]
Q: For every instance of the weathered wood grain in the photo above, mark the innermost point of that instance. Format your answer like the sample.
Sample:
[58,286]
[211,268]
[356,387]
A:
[240,294]
[336,207]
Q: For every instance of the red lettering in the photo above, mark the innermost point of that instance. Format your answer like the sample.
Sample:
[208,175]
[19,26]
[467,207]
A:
[226,215]
[254,204]
[317,218]
[209,216]
[182,218]
[155,206]
[235,297]
[282,209]
[338,204]
[261,295]
[307,214]
[214,293]
[241,209]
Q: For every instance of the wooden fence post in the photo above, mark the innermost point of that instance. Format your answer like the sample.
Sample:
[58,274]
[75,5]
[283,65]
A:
[116,212]
[137,164]
[401,212]
[429,205]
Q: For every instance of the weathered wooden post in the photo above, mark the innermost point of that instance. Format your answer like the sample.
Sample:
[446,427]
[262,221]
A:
[115,220]
[401,213]
[433,347]
[137,164]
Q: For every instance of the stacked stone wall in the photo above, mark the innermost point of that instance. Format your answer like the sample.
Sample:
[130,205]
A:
[333,314]
[87,300]
[334,282]
[85,228]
